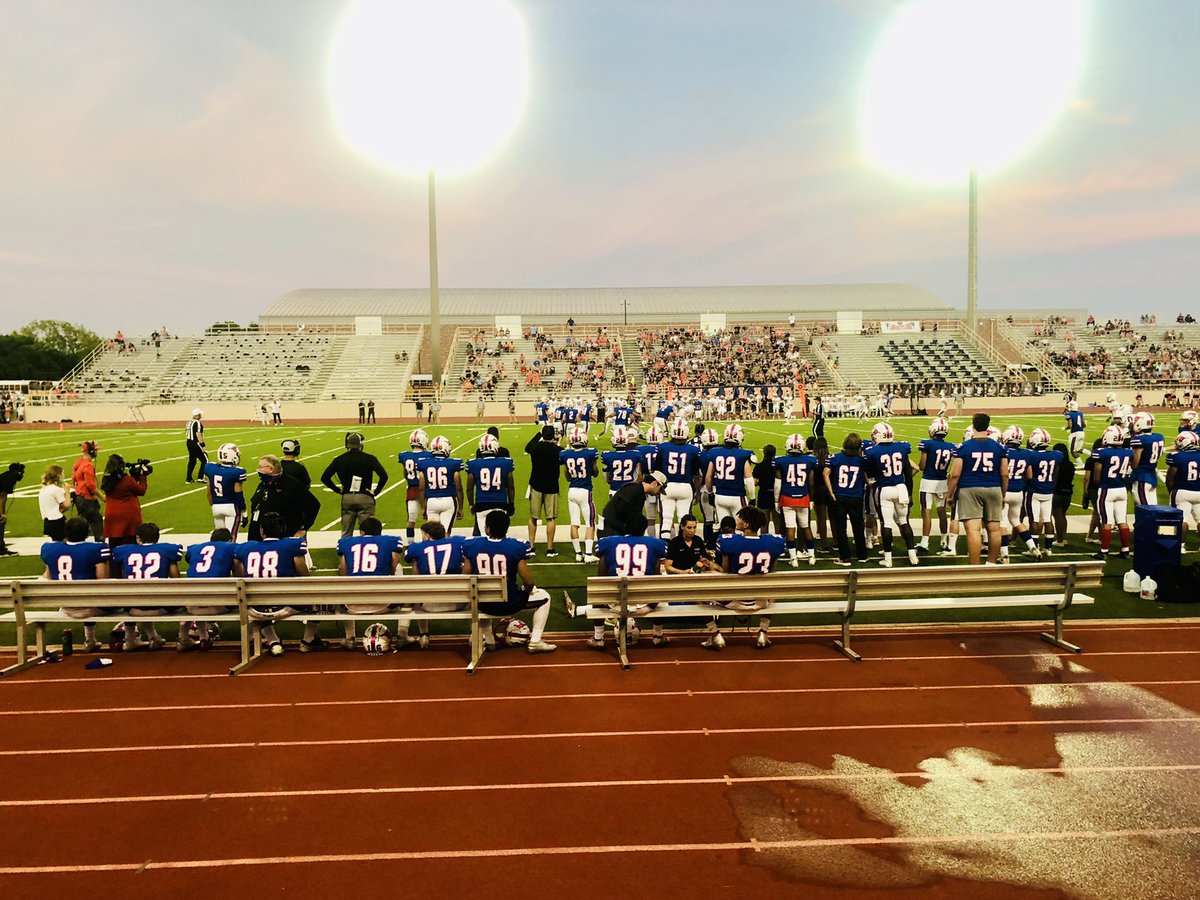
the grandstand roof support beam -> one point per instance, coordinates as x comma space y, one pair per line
972, 251
435, 312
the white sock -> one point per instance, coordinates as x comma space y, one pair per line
541, 616
349, 627
575, 545
598, 632
310, 632
269, 634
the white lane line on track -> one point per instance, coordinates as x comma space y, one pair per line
722, 846
997, 775
1074, 724
597, 695
391, 670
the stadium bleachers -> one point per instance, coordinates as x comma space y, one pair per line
867, 361
379, 364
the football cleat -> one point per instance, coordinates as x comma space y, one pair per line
419, 440
229, 454
1114, 436
440, 446
489, 445
882, 433
1186, 440
1143, 422
578, 438
376, 640
762, 642
1039, 439
734, 434
795, 444
939, 428
679, 429
716, 642
1013, 436
708, 438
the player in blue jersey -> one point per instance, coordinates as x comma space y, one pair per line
680, 462
1147, 446
936, 454
796, 471
729, 476
436, 553
410, 459
663, 415
887, 462
1109, 469
276, 555
845, 482
1188, 421
75, 558
747, 552
585, 416
441, 484
146, 559
706, 439
211, 559
630, 556
1183, 479
370, 552
490, 481
225, 480
622, 415
498, 554
541, 412
649, 454
579, 463
1077, 427
1041, 481
977, 482
1014, 520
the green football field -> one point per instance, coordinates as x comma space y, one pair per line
180, 508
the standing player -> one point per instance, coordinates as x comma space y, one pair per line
1015, 509
211, 559
75, 558
1041, 481
936, 454
585, 416
276, 555
622, 415
541, 412
680, 462
747, 552
649, 454
1077, 428
630, 556
1188, 421
706, 440
579, 463
1147, 446
146, 559
621, 465
1183, 479
490, 480
225, 480
441, 484
729, 476
886, 460
797, 469
497, 554
976, 485
410, 459
1110, 468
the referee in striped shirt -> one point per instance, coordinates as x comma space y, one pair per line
195, 446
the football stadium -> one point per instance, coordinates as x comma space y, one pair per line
712, 557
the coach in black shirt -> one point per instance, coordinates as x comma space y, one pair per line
291, 462
8, 484
355, 469
625, 512
281, 493
543, 485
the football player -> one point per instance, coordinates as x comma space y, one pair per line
490, 480
211, 559
706, 440
887, 462
579, 461
498, 554
146, 559
680, 462
747, 552
1183, 479
796, 470
75, 558
435, 554
1110, 468
728, 477
441, 484
630, 556
276, 555
1147, 446
1015, 501
541, 412
371, 552
225, 480
1076, 428
936, 454
649, 454
1041, 480
410, 459
1188, 421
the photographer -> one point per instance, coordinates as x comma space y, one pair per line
122, 508
8, 484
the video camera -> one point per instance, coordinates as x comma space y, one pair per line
140, 468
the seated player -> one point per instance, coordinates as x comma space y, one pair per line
632, 555
211, 559
146, 559
886, 461
490, 481
1109, 469
797, 470
498, 554
1042, 481
579, 462
435, 554
224, 481
1015, 516
1183, 480
410, 459
936, 454
441, 484
275, 556
747, 552
75, 558
370, 553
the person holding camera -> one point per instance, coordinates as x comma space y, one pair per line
357, 471
8, 484
122, 486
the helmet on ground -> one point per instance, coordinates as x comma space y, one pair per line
679, 429
1114, 436
229, 454
1187, 440
1188, 418
795, 444
515, 632
578, 437
939, 428
1039, 439
734, 434
440, 446
882, 433
1014, 436
376, 640
419, 439
1143, 422
489, 444
1073, 405
654, 435
708, 437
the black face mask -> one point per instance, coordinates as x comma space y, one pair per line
269, 477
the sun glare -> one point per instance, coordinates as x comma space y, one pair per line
961, 83
420, 84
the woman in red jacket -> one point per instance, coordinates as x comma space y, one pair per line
122, 509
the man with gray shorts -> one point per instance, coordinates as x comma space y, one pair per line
543, 485
361, 478
978, 481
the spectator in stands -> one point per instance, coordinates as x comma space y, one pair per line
53, 503
122, 508
8, 484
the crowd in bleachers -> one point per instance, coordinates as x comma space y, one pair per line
585, 364
744, 355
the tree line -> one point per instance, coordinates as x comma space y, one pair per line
44, 350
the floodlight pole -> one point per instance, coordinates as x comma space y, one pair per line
972, 251
435, 312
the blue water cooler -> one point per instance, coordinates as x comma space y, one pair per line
1157, 538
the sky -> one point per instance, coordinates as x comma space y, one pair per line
174, 162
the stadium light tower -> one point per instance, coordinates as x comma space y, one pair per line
425, 86
968, 86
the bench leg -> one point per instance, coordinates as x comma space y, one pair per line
1057, 638
39, 639
20, 666
843, 645
622, 640
249, 659
477, 643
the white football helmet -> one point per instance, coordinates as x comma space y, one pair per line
1039, 439
679, 429
489, 444
1073, 405
882, 433
994, 433
229, 454
1188, 418
419, 440
1186, 440
1114, 436
440, 446
579, 437
1110, 398
654, 435
968, 433
1143, 422
632, 435
795, 444
1013, 436
939, 428
376, 640
708, 438
734, 434
516, 633
620, 436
